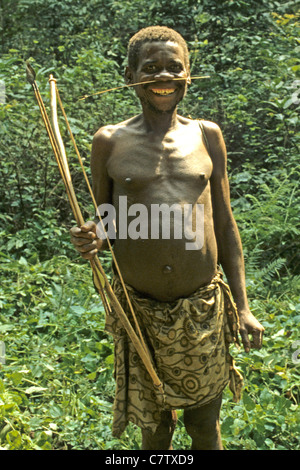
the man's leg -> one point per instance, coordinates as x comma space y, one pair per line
162, 438
203, 426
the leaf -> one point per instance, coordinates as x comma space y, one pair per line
269, 443
248, 402
16, 378
290, 101
14, 438
92, 376
8, 327
55, 411
104, 405
109, 359
35, 389
77, 309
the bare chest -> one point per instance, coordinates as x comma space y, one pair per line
178, 163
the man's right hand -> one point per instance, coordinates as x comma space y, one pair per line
85, 240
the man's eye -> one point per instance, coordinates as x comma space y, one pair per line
150, 69
176, 68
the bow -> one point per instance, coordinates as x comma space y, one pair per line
100, 279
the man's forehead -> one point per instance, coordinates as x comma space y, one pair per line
152, 48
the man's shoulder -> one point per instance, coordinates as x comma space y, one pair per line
106, 138
213, 134
210, 126
110, 132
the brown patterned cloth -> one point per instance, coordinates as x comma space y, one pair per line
189, 342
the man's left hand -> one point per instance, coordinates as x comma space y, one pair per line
250, 326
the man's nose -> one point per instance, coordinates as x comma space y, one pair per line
163, 75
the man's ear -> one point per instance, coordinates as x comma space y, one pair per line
128, 76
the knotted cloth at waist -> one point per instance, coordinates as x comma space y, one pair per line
189, 342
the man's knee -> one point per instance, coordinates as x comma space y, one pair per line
203, 420
162, 438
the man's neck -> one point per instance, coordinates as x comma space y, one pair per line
159, 122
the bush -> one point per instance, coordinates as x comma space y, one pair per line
57, 385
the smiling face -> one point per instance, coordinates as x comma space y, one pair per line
161, 62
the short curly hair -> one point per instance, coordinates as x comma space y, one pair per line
152, 34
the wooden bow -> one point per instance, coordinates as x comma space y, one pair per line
101, 281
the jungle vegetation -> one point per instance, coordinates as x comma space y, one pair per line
56, 376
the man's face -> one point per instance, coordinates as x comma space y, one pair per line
162, 62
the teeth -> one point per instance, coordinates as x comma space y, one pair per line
163, 91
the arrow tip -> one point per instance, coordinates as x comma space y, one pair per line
30, 73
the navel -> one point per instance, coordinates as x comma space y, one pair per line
167, 269
202, 176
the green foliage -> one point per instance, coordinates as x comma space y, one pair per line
268, 220
57, 383
56, 387
268, 416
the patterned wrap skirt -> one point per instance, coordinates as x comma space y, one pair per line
188, 340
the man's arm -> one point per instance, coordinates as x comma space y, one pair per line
84, 238
230, 252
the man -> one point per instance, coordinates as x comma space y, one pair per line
184, 308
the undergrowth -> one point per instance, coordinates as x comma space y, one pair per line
57, 385
56, 373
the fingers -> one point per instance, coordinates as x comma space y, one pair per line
85, 240
89, 254
256, 343
81, 238
245, 340
250, 326
257, 336
89, 226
